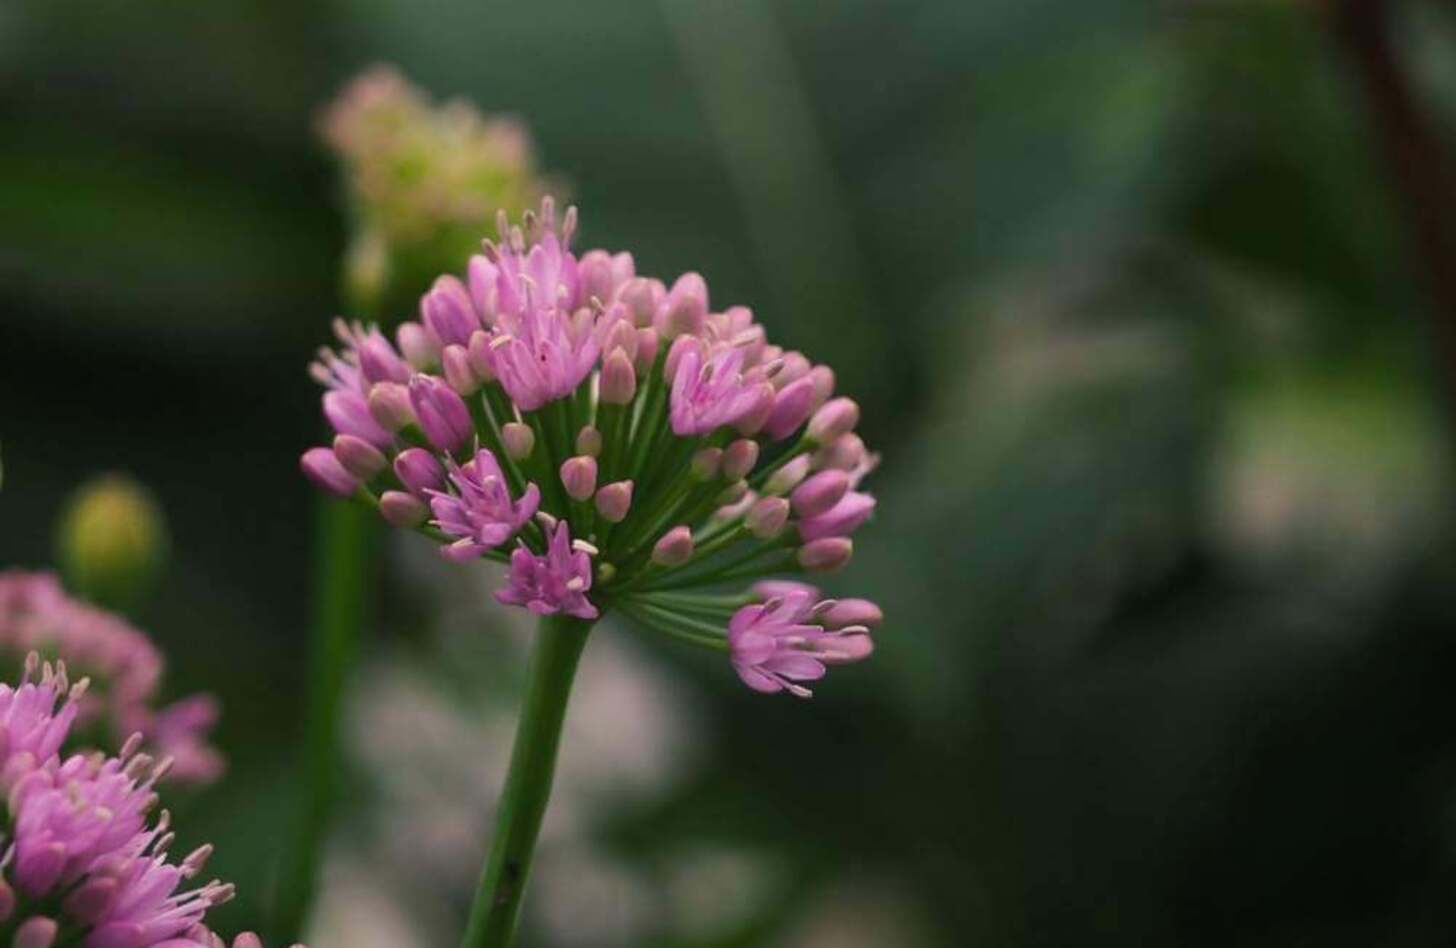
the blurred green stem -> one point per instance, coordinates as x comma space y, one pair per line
343, 556
554, 656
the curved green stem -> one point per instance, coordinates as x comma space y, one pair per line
554, 655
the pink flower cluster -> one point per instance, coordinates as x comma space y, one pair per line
37, 615
624, 436
86, 863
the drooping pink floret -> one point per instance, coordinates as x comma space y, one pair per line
556, 582
480, 511
710, 393
776, 644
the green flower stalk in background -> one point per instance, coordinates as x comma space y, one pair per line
633, 450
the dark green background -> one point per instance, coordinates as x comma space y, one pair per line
1080, 260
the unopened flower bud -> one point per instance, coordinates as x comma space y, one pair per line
579, 476
595, 273
835, 418
479, 353
791, 408
767, 517
733, 493
844, 452
455, 361
448, 312
359, 457
642, 296
619, 379
845, 612
442, 414
826, 555
647, 345
794, 367
519, 440
788, 477
622, 336
706, 463
820, 492
739, 459
753, 420
482, 277
415, 343
614, 501
401, 509
589, 441
389, 404
419, 470
325, 470
823, 378
684, 308
674, 548
35, 932
112, 540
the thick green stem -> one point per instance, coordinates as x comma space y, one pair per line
554, 656
343, 556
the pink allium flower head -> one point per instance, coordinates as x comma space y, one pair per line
555, 582
775, 645
639, 451
480, 510
37, 615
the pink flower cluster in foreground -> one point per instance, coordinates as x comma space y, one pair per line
37, 615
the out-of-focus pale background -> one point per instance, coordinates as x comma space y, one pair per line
1138, 319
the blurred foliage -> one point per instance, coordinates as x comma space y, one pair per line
1164, 536
111, 542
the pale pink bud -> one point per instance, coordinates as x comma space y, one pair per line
826, 555
844, 452
619, 380
594, 272
518, 439
579, 476
647, 345
767, 517
684, 308
325, 470
441, 412
622, 336
751, 421
642, 296
479, 355
455, 361
706, 463
845, 612
823, 378
794, 367
483, 279
247, 940
733, 493
614, 500
832, 420
416, 344
389, 403
401, 509
742, 499
35, 932
674, 548
419, 470
739, 458
820, 492
589, 441
359, 457
788, 477
791, 409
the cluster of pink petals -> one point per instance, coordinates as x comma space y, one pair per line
776, 644
554, 583
37, 615
85, 859
480, 511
